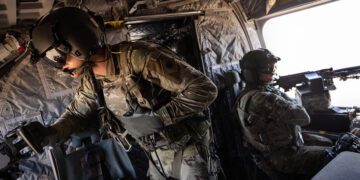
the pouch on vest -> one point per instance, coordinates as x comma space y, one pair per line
198, 125
139, 89
176, 136
173, 137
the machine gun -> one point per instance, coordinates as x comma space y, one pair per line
312, 89
316, 81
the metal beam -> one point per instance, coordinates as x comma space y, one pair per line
11, 11
28, 0
3, 6
160, 17
30, 5
3, 21
29, 15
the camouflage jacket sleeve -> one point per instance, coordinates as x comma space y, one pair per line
80, 114
278, 108
192, 90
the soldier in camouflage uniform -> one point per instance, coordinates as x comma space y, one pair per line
270, 121
149, 91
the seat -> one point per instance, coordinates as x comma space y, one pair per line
252, 159
98, 160
345, 166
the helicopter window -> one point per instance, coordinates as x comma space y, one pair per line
316, 38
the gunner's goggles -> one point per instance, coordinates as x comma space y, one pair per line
270, 68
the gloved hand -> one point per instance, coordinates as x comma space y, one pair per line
347, 142
142, 123
37, 136
356, 132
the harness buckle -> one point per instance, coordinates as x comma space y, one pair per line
122, 141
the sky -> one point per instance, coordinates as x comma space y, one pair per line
316, 38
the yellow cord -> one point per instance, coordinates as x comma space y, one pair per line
114, 24
116, 52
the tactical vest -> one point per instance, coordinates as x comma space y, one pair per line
264, 134
131, 100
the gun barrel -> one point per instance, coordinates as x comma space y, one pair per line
352, 68
344, 72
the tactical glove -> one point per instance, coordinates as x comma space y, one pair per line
142, 124
356, 132
37, 136
347, 142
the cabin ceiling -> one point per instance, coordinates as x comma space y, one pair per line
25, 12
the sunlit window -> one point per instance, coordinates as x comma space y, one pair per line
320, 37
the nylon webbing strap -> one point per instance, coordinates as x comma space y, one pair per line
176, 165
243, 116
98, 92
157, 157
117, 69
120, 136
148, 155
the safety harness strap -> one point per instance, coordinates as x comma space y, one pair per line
176, 165
108, 120
245, 118
255, 146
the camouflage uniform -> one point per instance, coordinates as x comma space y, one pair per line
146, 78
270, 122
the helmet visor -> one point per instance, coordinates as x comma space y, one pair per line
55, 58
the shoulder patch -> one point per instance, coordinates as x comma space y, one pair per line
138, 58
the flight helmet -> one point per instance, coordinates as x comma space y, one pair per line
64, 31
256, 62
